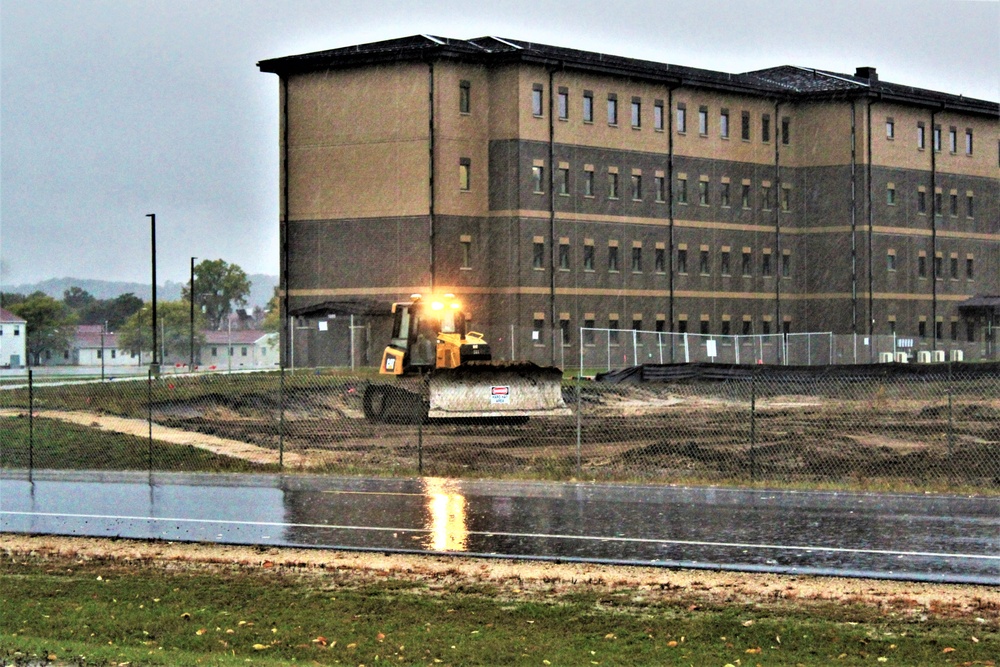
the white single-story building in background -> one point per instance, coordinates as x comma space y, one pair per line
234, 350
13, 337
88, 346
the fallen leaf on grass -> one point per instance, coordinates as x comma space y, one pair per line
747, 624
754, 651
259, 647
320, 640
672, 643
948, 649
200, 631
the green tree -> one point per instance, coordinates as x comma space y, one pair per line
77, 299
50, 324
173, 330
272, 319
10, 299
113, 312
217, 286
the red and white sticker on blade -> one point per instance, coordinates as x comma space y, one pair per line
499, 394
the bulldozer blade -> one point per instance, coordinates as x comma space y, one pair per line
517, 390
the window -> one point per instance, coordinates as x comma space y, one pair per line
786, 199
612, 185
660, 325
703, 121
953, 204
747, 263
938, 266
745, 126
612, 109
536, 99
745, 195
938, 330
786, 265
658, 115
703, 263
637, 187
968, 206
636, 259
114, 353
921, 136
726, 327
922, 266
538, 255
747, 327
970, 332
953, 140
564, 256
682, 326
953, 266
954, 329
243, 351
613, 258
921, 201
765, 128
588, 331
786, 327
681, 118
660, 188
660, 260
703, 193
588, 183
890, 195
538, 179
682, 260
765, 265
968, 141
464, 166
537, 329
588, 258
466, 246
938, 206
463, 96
100, 354
765, 327
890, 128
613, 330
636, 112
724, 263
969, 268
215, 351
890, 261
937, 138
724, 194
765, 197
588, 106
682, 190
922, 328
724, 124
563, 103
786, 130
704, 327
563, 181
565, 330
637, 326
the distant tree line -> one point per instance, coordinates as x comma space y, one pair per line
51, 323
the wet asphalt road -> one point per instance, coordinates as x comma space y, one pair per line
917, 537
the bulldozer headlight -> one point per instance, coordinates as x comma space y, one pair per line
437, 305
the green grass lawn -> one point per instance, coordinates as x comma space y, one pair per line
62, 446
106, 611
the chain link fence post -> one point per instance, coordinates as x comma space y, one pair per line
31, 422
753, 423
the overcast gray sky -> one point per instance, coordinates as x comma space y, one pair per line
112, 109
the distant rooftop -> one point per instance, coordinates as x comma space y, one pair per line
787, 81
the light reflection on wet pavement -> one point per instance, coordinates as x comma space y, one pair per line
921, 537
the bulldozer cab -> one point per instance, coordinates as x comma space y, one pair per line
417, 328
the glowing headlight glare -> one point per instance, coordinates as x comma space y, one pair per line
454, 305
437, 305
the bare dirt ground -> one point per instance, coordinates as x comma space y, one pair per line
533, 580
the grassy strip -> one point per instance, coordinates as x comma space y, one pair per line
106, 611
62, 446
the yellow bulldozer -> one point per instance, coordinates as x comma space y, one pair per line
444, 371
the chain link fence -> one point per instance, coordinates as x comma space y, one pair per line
884, 426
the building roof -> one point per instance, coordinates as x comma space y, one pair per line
10, 318
242, 337
785, 82
89, 336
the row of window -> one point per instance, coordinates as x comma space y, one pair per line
682, 196
953, 265
892, 198
746, 328
638, 120
890, 134
17, 330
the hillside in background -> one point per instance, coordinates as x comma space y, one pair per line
261, 288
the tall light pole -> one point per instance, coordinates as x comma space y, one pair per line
153, 366
191, 295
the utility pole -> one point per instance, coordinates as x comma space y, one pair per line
191, 295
